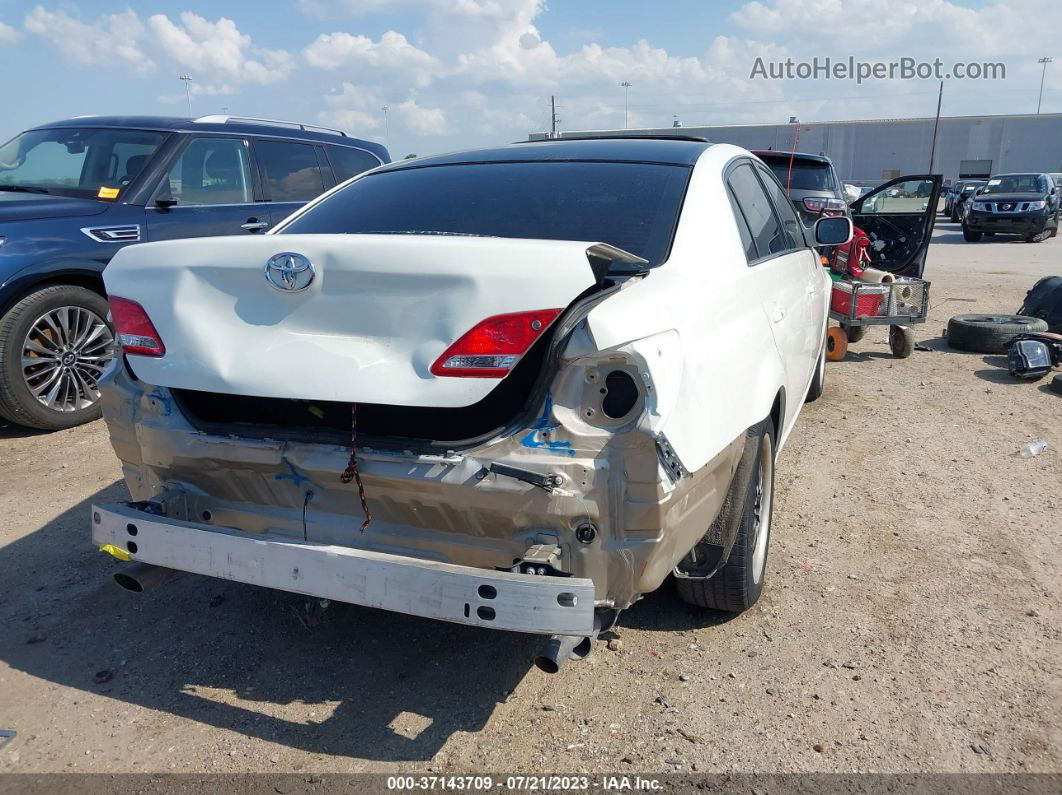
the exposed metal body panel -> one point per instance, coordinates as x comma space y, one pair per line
872, 151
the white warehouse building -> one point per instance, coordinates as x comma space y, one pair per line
871, 151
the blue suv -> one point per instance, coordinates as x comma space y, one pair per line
74, 192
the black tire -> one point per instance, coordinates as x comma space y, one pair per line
989, 333
855, 333
969, 235
78, 401
954, 215
738, 584
818, 381
1056, 385
901, 341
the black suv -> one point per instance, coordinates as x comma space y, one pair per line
1017, 204
811, 181
74, 192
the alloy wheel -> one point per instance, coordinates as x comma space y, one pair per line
63, 356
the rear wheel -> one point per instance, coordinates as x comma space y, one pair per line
54, 344
738, 584
818, 381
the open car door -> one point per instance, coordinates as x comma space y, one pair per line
898, 216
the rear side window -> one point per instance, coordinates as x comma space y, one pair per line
290, 170
743, 227
791, 225
347, 162
756, 208
633, 206
210, 171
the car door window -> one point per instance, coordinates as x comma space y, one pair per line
791, 225
757, 210
903, 198
209, 171
290, 170
348, 162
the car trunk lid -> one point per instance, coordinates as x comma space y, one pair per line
377, 313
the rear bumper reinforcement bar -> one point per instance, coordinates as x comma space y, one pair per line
461, 594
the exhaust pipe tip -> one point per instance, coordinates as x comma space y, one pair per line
561, 648
140, 577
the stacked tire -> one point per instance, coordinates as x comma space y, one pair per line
989, 333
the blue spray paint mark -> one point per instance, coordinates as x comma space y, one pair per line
294, 476
164, 400
543, 423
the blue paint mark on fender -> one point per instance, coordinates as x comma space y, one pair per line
293, 475
543, 423
164, 400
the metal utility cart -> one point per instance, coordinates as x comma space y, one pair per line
856, 305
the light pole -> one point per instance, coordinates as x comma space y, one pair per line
626, 92
384, 109
187, 79
1045, 61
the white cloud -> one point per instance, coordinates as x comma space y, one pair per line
219, 57
359, 108
8, 35
113, 37
218, 49
392, 54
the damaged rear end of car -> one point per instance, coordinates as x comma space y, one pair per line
443, 425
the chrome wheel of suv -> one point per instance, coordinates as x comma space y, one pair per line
63, 355
54, 345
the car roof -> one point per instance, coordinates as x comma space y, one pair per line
764, 154
1019, 174
223, 124
671, 151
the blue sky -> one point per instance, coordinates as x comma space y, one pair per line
457, 73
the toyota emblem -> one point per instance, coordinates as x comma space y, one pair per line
289, 272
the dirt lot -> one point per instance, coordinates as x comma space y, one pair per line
911, 620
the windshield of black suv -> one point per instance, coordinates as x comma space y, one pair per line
633, 206
86, 163
1013, 183
807, 175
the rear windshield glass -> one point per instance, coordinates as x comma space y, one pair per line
806, 176
633, 206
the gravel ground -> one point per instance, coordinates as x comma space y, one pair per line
910, 623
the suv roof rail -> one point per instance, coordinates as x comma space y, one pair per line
223, 119
694, 138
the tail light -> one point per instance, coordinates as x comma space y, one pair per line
824, 205
492, 347
136, 332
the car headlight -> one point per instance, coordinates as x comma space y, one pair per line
1037, 205
980, 205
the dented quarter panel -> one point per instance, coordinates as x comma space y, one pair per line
697, 328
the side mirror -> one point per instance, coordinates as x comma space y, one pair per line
833, 230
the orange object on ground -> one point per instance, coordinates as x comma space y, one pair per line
836, 344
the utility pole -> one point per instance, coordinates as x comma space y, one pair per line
1045, 61
626, 84
187, 91
384, 109
936, 123
552, 116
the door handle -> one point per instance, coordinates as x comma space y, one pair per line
253, 225
777, 313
